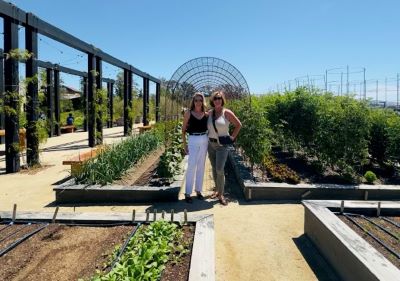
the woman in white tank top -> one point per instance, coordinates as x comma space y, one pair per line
218, 122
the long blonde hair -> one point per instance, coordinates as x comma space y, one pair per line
203, 105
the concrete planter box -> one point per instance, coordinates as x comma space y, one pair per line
283, 191
71, 193
202, 265
350, 255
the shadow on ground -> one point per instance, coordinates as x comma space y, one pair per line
322, 270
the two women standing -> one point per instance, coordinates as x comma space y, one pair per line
208, 130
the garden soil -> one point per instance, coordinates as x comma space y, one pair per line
253, 240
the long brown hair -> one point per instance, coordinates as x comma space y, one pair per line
203, 105
217, 93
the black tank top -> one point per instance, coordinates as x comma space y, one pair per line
197, 125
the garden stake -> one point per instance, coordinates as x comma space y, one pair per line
133, 215
342, 207
378, 212
163, 214
14, 212
155, 215
366, 195
55, 215
185, 216
172, 215
147, 215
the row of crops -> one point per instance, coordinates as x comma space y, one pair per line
334, 132
147, 253
115, 160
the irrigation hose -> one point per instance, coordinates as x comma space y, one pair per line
16, 243
10, 224
373, 237
381, 228
392, 222
15, 232
124, 246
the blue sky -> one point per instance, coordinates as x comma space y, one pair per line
268, 41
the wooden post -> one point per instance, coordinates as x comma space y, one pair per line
50, 100
155, 215
14, 215
2, 124
172, 215
55, 215
57, 104
32, 114
378, 211
185, 219
133, 215
99, 101
341, 207
158, 97
163, 214
147, 215
85, 104
91, 99
11, 99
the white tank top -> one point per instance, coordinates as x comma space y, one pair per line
221, 123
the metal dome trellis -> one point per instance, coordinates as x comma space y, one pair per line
205, 74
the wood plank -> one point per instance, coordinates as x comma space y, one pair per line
202, 264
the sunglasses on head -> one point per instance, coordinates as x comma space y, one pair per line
218, 98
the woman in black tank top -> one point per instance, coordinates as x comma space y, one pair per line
195, 124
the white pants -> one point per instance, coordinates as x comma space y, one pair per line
197, 146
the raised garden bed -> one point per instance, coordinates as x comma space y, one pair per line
350, 254
254, 190
67, 250
70, 192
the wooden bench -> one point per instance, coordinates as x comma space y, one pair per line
77, 161
142, 129
22, 137
67, 129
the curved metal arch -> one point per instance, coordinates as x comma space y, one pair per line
204, 74
223, 68
215, 61
226, 79
200, 73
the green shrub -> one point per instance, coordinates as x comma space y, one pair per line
255, 136
370, 176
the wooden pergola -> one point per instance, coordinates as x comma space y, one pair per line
14, 17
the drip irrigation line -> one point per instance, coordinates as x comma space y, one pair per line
124, 246
15, 232
10, 224
79, 224
397, 255
98, 225
19, 241
391, 221
381, 228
